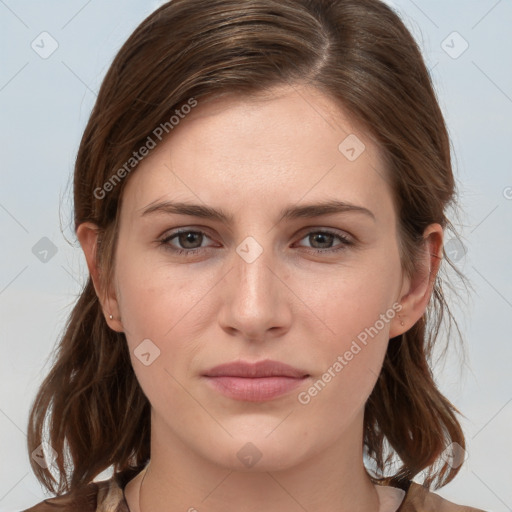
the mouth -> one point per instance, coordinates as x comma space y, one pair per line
255, 382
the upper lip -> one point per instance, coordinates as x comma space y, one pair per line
266, 368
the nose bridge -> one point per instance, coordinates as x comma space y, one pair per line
255, 287
254, 300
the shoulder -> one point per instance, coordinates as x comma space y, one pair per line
107, 496
103, 496
420, 499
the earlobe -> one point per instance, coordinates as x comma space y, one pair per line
87, 234
417, 290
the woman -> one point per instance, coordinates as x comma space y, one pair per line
260, 195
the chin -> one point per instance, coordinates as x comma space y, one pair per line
259, 453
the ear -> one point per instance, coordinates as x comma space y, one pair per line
87, 234
417, 289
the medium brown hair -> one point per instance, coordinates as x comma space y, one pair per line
360, 54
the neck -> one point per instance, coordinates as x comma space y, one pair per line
332, 480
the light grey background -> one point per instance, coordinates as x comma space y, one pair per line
45, 103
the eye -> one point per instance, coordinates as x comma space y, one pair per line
189, 241
321, 241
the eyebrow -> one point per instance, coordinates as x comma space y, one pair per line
291, 212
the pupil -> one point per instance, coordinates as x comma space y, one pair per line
186, 238
323, 236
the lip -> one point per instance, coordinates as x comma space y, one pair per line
258, 369
255, 382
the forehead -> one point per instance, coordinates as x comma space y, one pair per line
277, 147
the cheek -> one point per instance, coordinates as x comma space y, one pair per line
153, 296
351, 358
154, 318
353, 298
357, 310
167, 306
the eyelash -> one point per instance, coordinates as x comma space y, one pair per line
345, 242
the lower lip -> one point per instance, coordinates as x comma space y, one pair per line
255, 389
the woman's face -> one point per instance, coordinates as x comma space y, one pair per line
269, 276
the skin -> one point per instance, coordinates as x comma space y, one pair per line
252, 157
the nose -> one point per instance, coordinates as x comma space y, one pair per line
255, 298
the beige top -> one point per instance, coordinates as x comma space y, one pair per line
390, 498
108, 496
